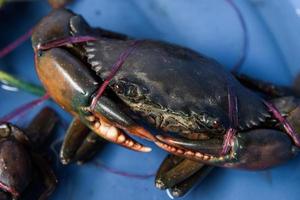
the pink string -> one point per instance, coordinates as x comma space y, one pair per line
65, 41
232, 107
9, 189
115, 68
237, 66
122, 173
23, 109
9, 48
288, 128
233, 118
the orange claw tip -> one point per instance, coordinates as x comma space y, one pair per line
145, 149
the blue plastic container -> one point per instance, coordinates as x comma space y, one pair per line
211, 27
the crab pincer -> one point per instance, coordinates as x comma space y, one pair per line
70, 83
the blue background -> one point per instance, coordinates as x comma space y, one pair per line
210, 27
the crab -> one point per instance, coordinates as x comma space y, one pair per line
22, 165
199, 112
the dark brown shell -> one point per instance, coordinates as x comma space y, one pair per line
175, 88
166, 78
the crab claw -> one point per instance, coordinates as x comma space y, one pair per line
255, 149
69, 82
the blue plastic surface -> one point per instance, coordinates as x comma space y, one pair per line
210, 27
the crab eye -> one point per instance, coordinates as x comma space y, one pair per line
132, 91
4, 130
118, 88
216, 124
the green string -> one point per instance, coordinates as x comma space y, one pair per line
20, 84
2, 3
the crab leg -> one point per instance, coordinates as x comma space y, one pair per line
179, 175
89, 147
185, 186
75, 134
41, 127
48, 176
80, 144
167, 164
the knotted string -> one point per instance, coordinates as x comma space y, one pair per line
286, 125
233, 119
